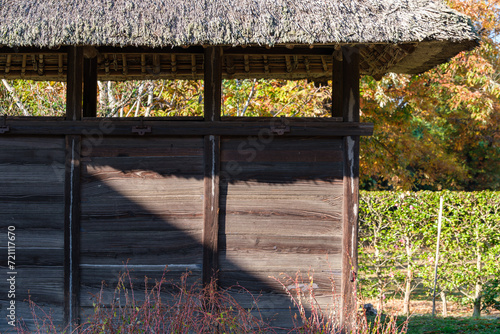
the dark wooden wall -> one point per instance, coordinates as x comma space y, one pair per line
32, 200
281, 213
142, 204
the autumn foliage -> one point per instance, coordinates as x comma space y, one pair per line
439, 129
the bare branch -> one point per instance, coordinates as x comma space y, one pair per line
16, 99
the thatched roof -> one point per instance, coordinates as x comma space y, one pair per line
429, 24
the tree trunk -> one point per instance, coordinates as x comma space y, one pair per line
443, 300
477, 301
477, 308
378, 274
409, 275
16, 99
150, 100
406, 302
479, 287
103, 94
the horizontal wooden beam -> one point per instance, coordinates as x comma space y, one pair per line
238, 50
258, 127
279, 51
28, 50
138, 50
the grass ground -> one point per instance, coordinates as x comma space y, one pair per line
428, 325
459, 321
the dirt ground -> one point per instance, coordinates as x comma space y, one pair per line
421, 307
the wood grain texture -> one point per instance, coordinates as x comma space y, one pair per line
141, 247
72, 214
32, 201
74, 90
142, 205
281, 213
42, 284
99, 283
212, 83
299, 127
351, 188
211, 209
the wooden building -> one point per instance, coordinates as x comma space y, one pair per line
240, 198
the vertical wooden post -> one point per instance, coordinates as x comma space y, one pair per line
74, 91
71, 231
212, 82
74, 98
211, 209
212, 109
350, 113
90, 87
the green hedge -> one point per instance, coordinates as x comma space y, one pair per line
398, 235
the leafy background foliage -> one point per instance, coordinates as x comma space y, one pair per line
398, 236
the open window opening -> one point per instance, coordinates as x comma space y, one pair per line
32, 98
276, 98
150, 98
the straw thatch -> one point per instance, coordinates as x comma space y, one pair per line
168, 23
156, 23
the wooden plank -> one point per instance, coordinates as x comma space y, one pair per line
43, 191
268, 261
285, 243
72, 212
141, 247
101, 146
39, 255
38, 238
211, 209
74, 91
188, 128
36, 173
351, 188
99, 282
90, 87
113, 200
252, 153
110, 183
212, 83
263, 144
43, 285
271, 207
141, 50
34, 215
271, 281
323, 189
168, 172
33, 50
284, 173
293, 224
280, 51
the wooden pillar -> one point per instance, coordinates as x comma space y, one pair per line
350, 113
74, 91
74, 98
90, 87
212, 113
212, 81
71, 231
